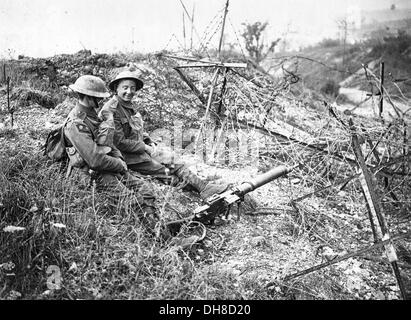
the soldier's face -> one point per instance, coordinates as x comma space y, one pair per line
126, 89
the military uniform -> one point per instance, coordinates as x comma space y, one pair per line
81, 128
130, 139
111, 175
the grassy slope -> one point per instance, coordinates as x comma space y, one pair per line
328, 64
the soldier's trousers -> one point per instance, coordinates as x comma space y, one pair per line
125, 194
124, 187
152, 167
188, 180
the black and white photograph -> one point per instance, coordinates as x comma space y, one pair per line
211, 156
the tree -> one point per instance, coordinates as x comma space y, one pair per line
346, 25
254, 43
343, 25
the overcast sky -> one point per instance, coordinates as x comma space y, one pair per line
42, 28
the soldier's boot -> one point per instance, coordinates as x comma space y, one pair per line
204, 188
207, 189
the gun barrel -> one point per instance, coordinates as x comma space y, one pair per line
264, 178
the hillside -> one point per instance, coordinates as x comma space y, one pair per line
330, 61
53, 228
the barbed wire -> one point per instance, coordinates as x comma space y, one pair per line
285, 58
238, 40
215, 30
168, 43
192, 25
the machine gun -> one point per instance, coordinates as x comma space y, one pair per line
220, 203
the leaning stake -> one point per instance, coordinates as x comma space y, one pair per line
342, 258
377, 209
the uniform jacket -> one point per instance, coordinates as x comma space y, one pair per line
81, 132
129, 135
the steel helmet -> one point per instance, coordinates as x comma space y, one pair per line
126, 75
91, 86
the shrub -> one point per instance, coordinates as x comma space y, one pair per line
328, 43
330, 87
392, 44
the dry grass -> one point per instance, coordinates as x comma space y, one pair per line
101, 254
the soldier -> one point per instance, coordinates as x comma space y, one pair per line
136, 146
84, 131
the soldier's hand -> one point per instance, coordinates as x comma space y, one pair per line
124, 165
155, 150
106, 115
149, 149
146, 138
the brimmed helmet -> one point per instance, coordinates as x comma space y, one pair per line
91, 86
126, 75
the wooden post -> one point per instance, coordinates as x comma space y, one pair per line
370, 207
184, 32
381, 87
191, 85
217, 139
210, 99
373, 200
9, 109
227, 150
222, 29
218, 124
192, 26
377, 209
191, 19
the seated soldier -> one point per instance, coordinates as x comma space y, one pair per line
136, 147
83, 129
